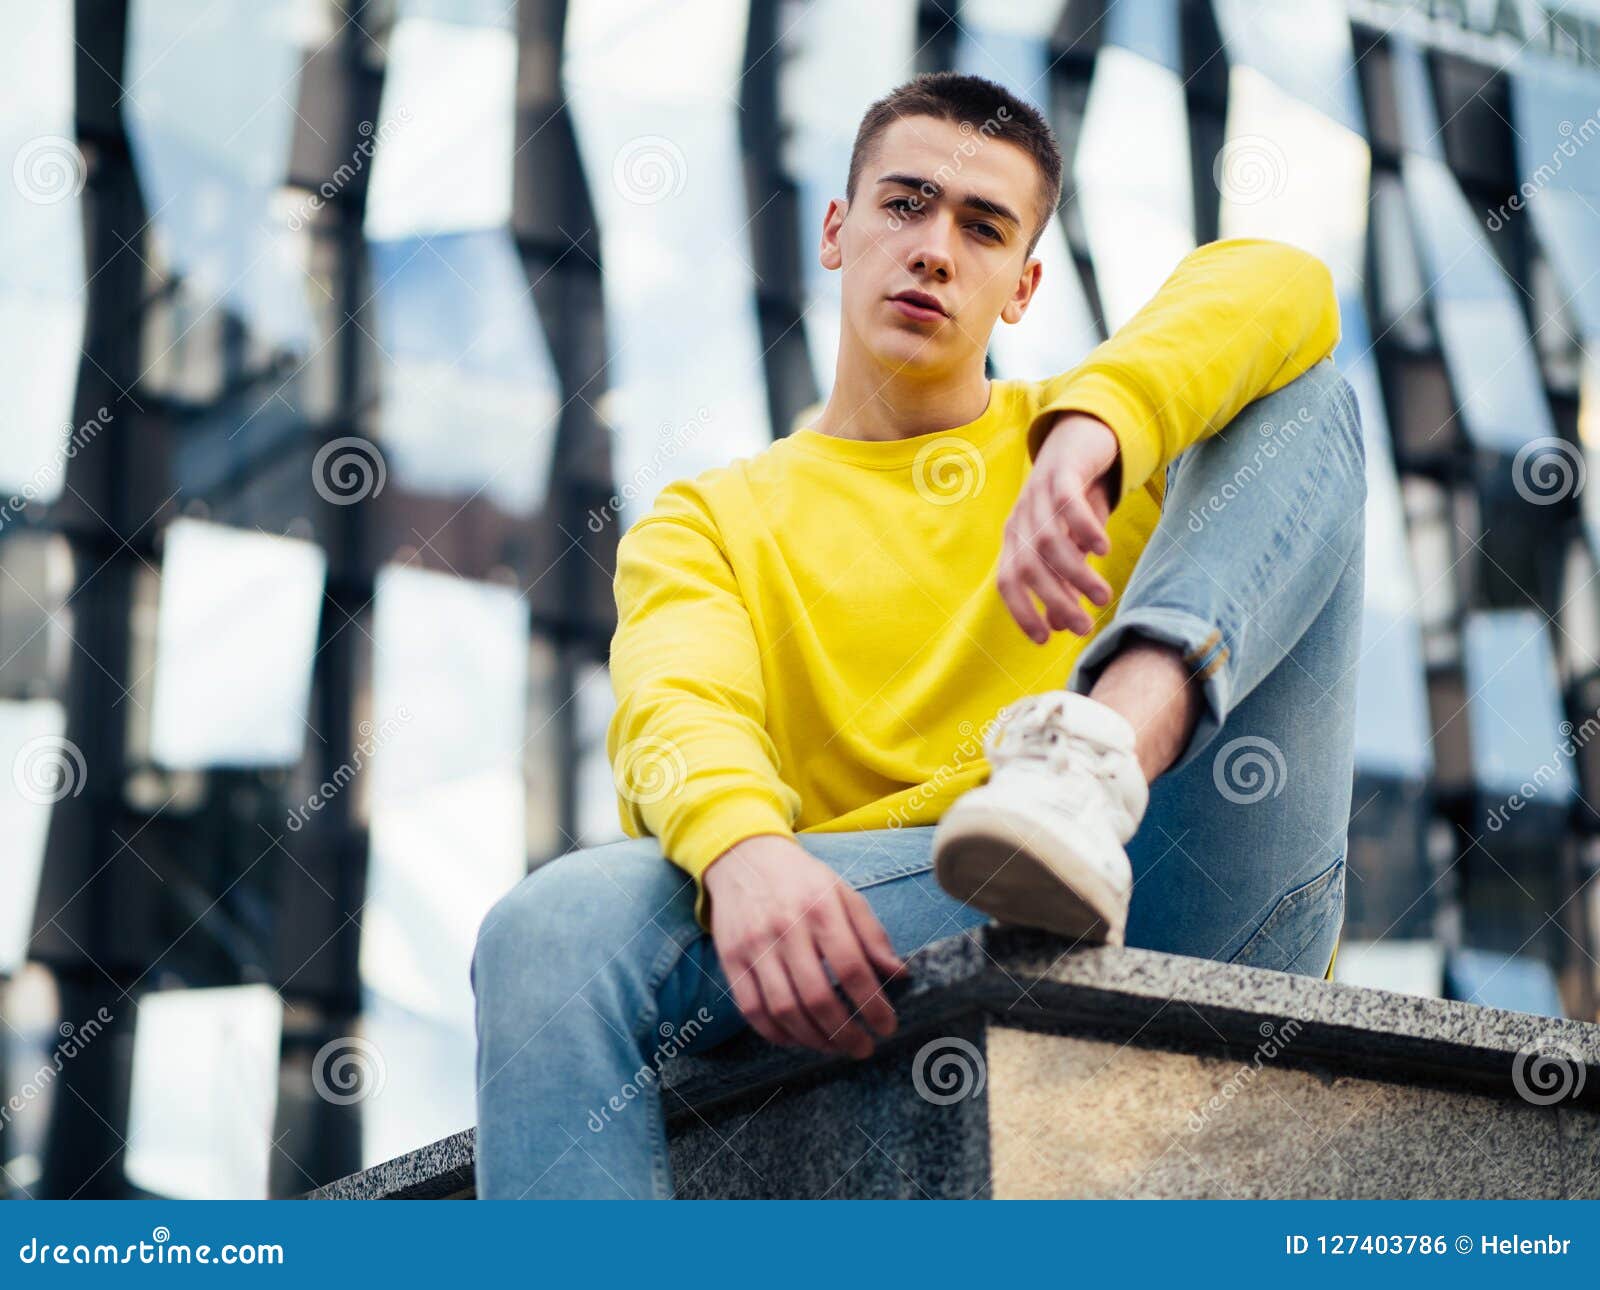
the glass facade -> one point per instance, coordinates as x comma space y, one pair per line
339, 344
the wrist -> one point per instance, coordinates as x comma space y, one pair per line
1085, 436
720, 870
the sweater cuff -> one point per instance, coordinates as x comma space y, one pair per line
1122, 408
726, 820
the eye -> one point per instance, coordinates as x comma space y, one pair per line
900, 205
988, 231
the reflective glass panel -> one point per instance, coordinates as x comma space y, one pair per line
1514, 712
41, 264
450, 668
235, 639
654, 102
209, 104
205, 1092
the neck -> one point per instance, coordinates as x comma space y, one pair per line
870, 401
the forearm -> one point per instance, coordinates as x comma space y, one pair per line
1236, 321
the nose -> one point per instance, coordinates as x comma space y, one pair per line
930, 252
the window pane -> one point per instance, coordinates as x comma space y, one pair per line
209, 104
41, 266
450, 661
235, 638
205, 1092
654, 102
1514, 712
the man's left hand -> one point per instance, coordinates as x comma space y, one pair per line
1058, 522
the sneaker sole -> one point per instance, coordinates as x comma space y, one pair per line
989, 861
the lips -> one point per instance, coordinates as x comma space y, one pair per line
918, 305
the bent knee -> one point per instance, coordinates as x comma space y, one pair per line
577, 911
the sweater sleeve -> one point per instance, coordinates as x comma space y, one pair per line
691, 758
1237, 320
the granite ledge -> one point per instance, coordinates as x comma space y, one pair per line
1032, 980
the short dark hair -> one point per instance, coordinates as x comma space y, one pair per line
979, 104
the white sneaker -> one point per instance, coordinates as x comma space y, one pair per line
1041, 844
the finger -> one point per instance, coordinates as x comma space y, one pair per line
880, 949
821, 1002
783, 1004
1076, 513
851, 965
1066, 560
1073, 509
753, 1007
1061, 607
1014, 592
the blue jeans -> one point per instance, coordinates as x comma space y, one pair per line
592, 970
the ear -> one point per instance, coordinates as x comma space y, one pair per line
1022, 296
829, 253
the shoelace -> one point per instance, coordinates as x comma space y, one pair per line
1034, 729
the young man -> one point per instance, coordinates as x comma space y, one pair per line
825, 650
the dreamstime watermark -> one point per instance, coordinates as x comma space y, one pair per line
675, 440
1547, 171
48, 769
1548, 1071
649, 168
74, 1039
1249, 769
331, 187
940, 180
347, 1070
78, 438
1572, 739
948, 470
1547, 470
947, 1070
348, 470
49, 169
1272, 436
674, 1039
160, 1249
648, 770
1249, 169
371, 741
1275, 1038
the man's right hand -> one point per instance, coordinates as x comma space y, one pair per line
780, 918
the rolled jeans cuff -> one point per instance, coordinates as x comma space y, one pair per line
1204, 652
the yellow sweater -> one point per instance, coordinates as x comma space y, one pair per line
811, 638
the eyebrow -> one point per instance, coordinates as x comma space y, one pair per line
971, 201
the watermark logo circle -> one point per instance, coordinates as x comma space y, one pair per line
948, 470
1548, 470
649, 770
948, 1070
48, 769
1249, 769
648, 169
1250, 168
347, 1070
49, 169
348, 470
1548, 1071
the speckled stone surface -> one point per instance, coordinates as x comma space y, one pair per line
441, 1170
910, 1124
1083, 1118
802, 1121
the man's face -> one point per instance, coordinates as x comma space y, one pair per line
934, 246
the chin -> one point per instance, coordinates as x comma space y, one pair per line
909, 351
